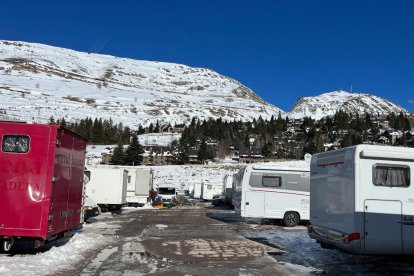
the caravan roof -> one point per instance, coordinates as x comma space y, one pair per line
294, 166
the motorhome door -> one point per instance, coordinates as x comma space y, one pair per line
383, 228
254, 204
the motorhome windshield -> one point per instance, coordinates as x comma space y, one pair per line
166, 191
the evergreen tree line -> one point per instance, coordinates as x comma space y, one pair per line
98, 131
312, 135
353, 129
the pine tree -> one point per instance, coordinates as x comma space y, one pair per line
118, 155
52, 121
204, 153
133, 154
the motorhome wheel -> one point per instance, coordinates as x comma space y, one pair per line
291, 219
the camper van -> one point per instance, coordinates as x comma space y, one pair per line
167, 193
362, 200
274, 191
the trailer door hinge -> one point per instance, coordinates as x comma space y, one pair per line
58, 143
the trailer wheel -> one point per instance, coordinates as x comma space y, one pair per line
8, 244
291, 219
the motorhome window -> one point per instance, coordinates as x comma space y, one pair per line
129, 179
15, 143
271, 181
166, 191
391, 175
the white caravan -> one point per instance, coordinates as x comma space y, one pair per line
140, 182
274, 191
197, 190
236, 189
211, 190
227, 187
362, 200
107, 186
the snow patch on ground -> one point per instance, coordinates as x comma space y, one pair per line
62, 257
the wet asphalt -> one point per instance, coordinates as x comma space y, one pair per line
192, 238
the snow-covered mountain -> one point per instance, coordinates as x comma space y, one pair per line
39, 81
327, 104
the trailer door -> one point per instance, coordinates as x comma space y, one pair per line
254, 204
383, 226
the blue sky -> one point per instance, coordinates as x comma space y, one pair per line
283, 50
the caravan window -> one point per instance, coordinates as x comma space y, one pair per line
391, 175
271, 181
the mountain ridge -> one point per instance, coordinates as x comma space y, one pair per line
39, 81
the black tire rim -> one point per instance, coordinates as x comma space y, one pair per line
291, 219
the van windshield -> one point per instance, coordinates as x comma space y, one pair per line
166, 191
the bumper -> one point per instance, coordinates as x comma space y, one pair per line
333, 239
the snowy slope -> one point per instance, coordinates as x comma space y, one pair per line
39, 81
327, 104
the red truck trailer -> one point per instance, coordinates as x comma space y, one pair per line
41, 182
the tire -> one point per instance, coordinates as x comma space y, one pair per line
291, 219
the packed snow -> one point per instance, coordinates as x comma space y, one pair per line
56, 258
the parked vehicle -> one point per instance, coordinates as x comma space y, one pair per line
107, 186
140, 182
236, 189
167, 193
90, 209
197, 190
41, 182
274, 192
362, 200
211, 190
227, 188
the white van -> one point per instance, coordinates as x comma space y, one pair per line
274, 191
362, 200
167, 193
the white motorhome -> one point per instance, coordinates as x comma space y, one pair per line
227, 187
140, 182
236, 187
107, 186
274, 191
362, 200
211, 190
